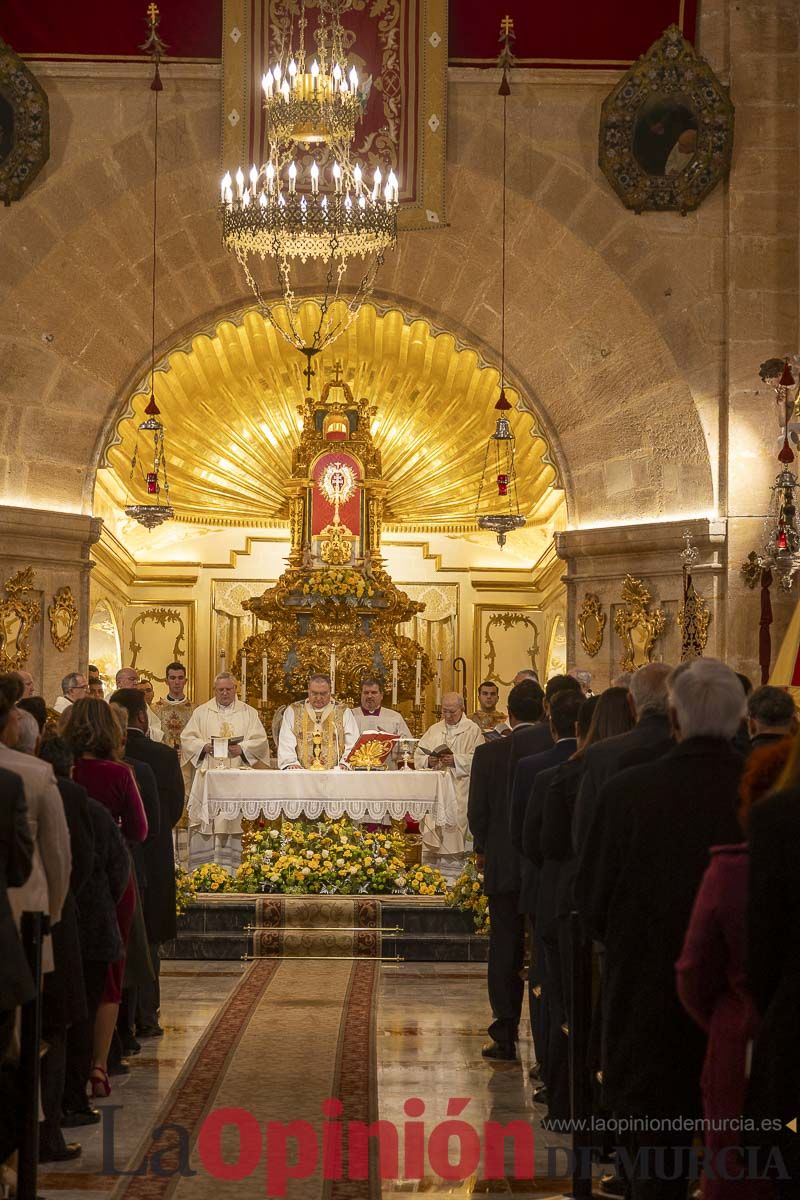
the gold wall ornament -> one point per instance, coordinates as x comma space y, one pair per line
63, 614
591, 623
523, 643
19, 612
162, 617
694, 619
752, 569
636, 625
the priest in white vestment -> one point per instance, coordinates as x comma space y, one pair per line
220, 840
456, 738
316, 730
371, 715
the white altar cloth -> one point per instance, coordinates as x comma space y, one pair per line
360, 795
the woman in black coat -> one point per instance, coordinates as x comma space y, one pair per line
774, 964
100, 939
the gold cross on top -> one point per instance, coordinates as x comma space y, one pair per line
507, 27
152, 13
337, 371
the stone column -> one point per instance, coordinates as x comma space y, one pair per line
56, 545
599, 559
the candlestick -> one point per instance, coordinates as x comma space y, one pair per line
418, 685
263, 679
244, 676
438, 696
332, 672
394, 682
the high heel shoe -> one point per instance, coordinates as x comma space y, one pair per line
98, 1080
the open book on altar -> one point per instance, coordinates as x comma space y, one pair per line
372, 750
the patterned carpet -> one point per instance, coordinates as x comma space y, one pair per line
317, 927
291, 1036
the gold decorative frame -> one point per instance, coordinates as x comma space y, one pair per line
63, 614
24, 125
18, 614
503, 617
694, 618
164, 615
636, 625
669, 85
591, 610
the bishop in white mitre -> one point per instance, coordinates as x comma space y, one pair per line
456, 738
220, 840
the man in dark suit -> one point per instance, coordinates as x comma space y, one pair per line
487, 813
660, 821
648, 699
159, 899
770, 716
564, 711
567, 700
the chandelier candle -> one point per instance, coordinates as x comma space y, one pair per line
394, 682
293, 211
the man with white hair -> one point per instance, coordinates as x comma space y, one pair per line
27, 683
316, 733
27, 733
448, 745
128, 677
654, 827
73, 687
222, 717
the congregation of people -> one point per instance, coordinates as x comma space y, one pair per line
664, 812
92, 789
655, 830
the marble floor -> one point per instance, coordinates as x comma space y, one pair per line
431, 1025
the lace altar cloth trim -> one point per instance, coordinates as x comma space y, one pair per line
361, 795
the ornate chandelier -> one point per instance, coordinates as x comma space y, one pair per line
500, 448
152, 513
309, 199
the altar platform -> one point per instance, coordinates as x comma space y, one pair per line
413, 929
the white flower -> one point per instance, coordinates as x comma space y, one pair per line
306, 871
400, 880
326, 853
273, 833
268, 853
343, 840
309, 853
354, 870
340, 862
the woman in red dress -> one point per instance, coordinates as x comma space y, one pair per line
94, 736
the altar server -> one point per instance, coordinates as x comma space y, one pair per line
316, 729
224, 717
448, 745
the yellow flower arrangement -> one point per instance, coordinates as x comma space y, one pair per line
210, 877
468, 895
335, 583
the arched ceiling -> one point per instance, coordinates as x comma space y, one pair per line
229, 404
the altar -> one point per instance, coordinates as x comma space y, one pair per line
428, 797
